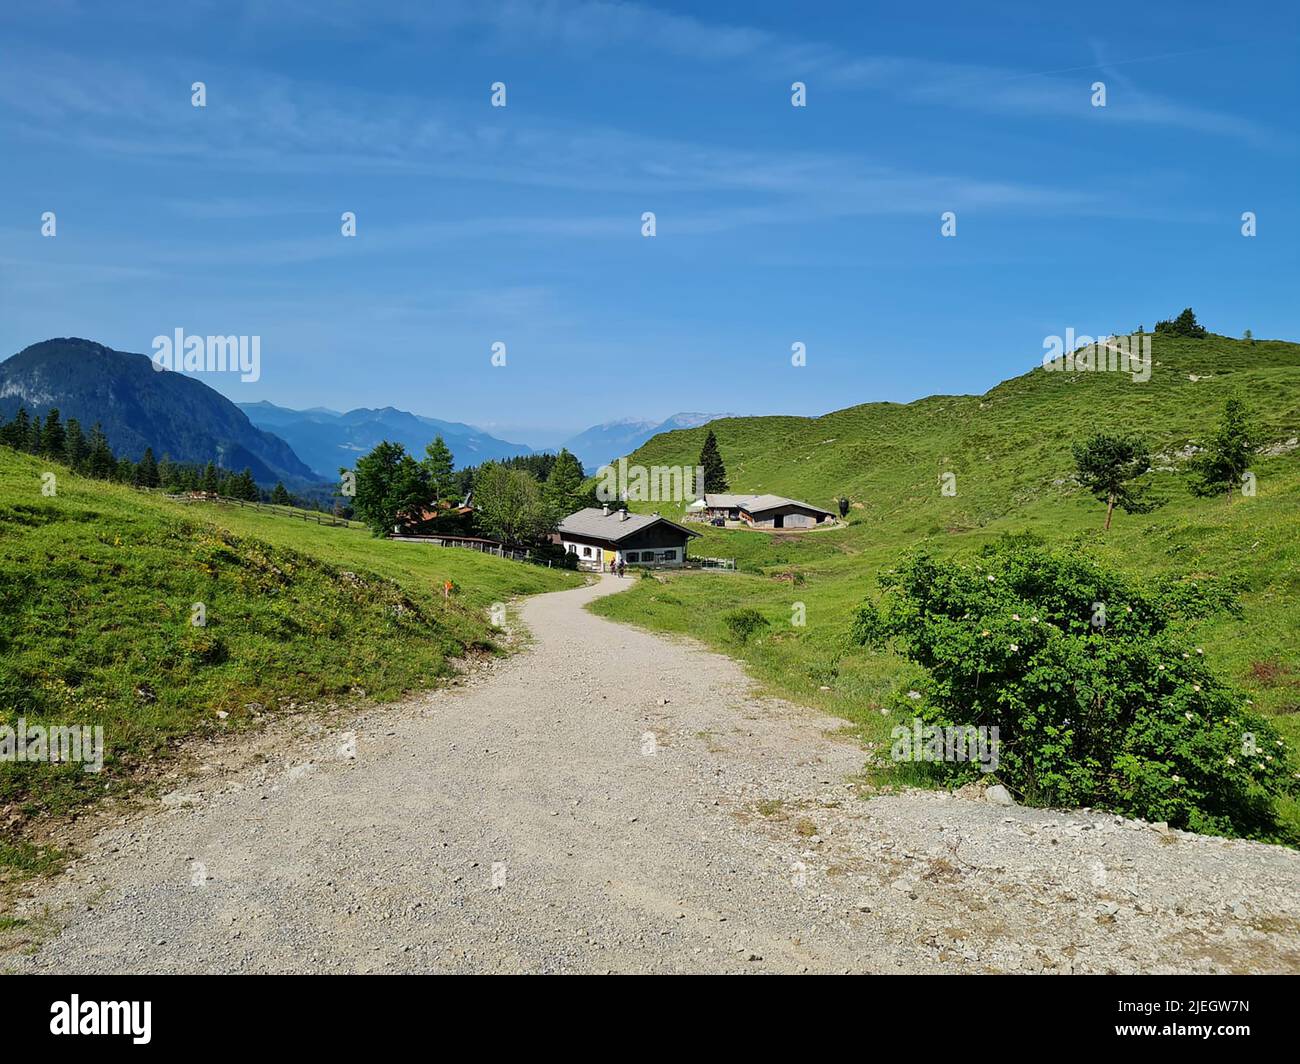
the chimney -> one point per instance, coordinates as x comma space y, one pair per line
622, 515
604, 509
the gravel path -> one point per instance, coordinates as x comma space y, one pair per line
610, 800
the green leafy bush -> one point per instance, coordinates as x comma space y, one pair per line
744, 622
1100, 697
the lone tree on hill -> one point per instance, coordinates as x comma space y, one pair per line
1183, 325
715, 473
1109, 466
1224, 463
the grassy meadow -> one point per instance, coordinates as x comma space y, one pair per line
1010, 452
97, 590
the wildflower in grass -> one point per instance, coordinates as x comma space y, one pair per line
1015, 647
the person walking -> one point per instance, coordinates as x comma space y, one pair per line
621, 567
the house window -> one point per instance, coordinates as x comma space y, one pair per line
573, 548
668, 556
586, 552
633, 556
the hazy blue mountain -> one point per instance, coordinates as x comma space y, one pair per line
138, 407
603, 443
328, 441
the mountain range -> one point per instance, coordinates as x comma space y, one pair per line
177, 416
327, 440
184, 419
603, 443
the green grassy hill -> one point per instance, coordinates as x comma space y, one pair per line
97, 585
1010, 452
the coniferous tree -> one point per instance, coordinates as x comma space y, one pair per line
1109, 466
100, 462
439, 464
280, 496
146, 473
35, 434
211, 480
1223, 465
53, 438
563, 488
1183, 325
715, 473
245, 486
74, 446
15, 433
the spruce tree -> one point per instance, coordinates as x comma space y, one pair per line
100, 462
74, 447
211, 480
562, 489
280, 496
14, 434
246, 486
1222, 466
715, 473
53, 438
146, 473
440, 466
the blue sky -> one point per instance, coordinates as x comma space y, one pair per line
522, 224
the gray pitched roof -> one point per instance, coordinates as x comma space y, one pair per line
595, 523
722, 502
771, 502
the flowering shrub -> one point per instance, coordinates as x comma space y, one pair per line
1100, 697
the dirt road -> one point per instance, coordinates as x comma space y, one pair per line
610, 800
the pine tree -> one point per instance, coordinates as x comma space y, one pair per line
53, 438
245, 486
14, 434
1109, 467
280, 496
1224, 463
166, 474
1183, 325
34, 436
125, 472
715, 473
100, 462
146, 473
211, 481
74, 447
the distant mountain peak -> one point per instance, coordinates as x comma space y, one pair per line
176, 415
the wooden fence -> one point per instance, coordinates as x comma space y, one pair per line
480, 545
316, 516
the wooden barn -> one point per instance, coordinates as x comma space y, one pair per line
775, 511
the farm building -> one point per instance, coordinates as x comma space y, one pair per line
761, 511
774, 511
604, 537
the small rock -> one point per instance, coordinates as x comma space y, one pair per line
999, 795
